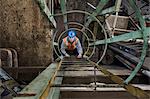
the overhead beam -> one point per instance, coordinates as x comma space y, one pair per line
45, 9
123, 37
63, 9
138, 13
98, 10
108, 10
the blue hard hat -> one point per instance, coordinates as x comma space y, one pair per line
72, 33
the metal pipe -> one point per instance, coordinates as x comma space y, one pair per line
9, 59
15, 57
133, 22
114, 24
91, 5
117, 8
95, 80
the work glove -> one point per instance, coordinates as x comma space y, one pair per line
84, 56
79, 56
61, 57
67, 55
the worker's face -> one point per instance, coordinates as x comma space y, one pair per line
71, 39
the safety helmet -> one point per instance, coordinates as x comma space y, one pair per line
72, 33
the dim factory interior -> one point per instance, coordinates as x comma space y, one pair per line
75, 49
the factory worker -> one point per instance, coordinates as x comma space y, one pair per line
71, 45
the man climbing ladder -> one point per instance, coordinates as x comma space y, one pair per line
71, 45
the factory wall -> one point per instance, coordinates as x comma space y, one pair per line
24, 28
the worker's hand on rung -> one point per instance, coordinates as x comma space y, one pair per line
84, 56
79, 56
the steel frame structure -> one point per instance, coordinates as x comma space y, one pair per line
37, 87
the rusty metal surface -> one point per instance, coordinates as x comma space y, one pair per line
135, 91
79, 76
131, 89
